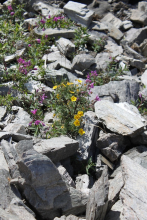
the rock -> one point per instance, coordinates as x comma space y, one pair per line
113, 49
115, 186
110, 18
15, 136
55, 32
138, 64
144, 78
102, 60
139, 16
111, 145
117, 91
127, 25
7, 192
87, 142
78, 12
135, 35
49, 117
18, 208
99, 26
70, 217
3, 111
9, 58
98, 198
30, 23
21, 116
44, 187
130, 53
66, 47
134, 198
82, 62
57, 148
61, 59
143, 48
115, 32
4, 215
100, 8
140, 139
11, 158
115, 212
46, 9
142, 6
82, 183
117, 119
65, 176
16, 128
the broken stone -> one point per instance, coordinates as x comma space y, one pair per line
113, 49
57, 148
82, 62
82, 183
16, 128
127, 25
115, 212
117, 119
144, 78
110, 18
78, 12
66, 47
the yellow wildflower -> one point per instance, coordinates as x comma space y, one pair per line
68, 83
53, 115
76, 116
81, 131
80, 113
54, 87
77, 122
80, 81
73, 99
62, 126
77, 90
63, 84
57, 96
71, 91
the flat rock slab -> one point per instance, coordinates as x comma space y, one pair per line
55, 32
15, 136
82, 62
113, 49
144, 78
110, 18
57, 148
117, 119
78, 12
134, 192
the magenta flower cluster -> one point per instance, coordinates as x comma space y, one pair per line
57, 18
23, 68
10, 9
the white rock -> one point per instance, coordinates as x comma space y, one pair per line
113, 49
110, 18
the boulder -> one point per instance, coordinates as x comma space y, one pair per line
134, 193
119, 119
78, 12
140, 139
144, 78
114, 32
82, 62
115, 212
3, 111
117, 91
98, 198
139, 16
111, 145
113, 49
15, 136
102, 60
126, 25
66, 47
16, 128
110, 18
57, 148
82, 183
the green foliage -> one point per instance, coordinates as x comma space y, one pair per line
141, 104
81, 37
98, 45
7, 101
90, 167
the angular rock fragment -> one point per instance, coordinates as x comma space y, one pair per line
82, 62
16, 128
66, 47
110, 18
117, 119
57, 148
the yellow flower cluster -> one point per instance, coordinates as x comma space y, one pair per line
77, 122
73, 99
81, 131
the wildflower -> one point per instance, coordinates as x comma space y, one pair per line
43, 124
35, 68
68, 83
12, 13
49, 16
88, 76
62, 126
9, 8
42, 21
77, 122
63, 84
76, 117
30, 124
81, 131
88, 81
80, 81
55, 19
57, 96
90, 92
43, 29
80, 113
54, 87
97, 98
29, 45
43, 97
71, 91
92, 85
34, 111
73, 99
37, 122
38, 41
54, 115
140, 95
46, 36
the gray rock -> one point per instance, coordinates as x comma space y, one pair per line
144, 78
143, 48
110, 18
82, 62
140, 139
66, 47
117, 119
134, 198
54, 32
131, 53
113, 49
61, 59
82, 183
115, 186
135, 35
115, 32
102, 60
87, 142
142, 6
3, 111
98, 26
111, 145
4, 215
69, 217
98, 198
115, 212
138, 64
57, 148
78, 12
30, 23
21, 116
117, 91
11, 158
15, 136
16, 128
100, 8
139, 16
67, 164
9, 58
46, 9
127, 25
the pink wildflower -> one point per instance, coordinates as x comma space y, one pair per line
97, 98
37, 122
38, 41
9, 8
12, 13
34, 111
